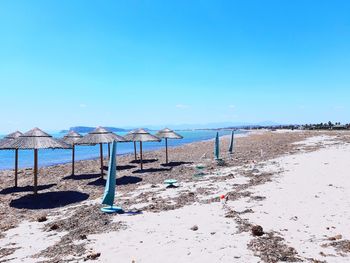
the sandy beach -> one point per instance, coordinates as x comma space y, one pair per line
293, 184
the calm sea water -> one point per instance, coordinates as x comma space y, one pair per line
59, 156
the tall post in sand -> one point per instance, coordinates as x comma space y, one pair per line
35, 171
73, 158
16, 167
135, 153
166, 150
141, 163
101, 156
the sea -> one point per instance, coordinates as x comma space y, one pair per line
49, 157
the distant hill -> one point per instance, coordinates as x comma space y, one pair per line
85, 129
217, 125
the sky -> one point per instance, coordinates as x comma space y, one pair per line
137, 63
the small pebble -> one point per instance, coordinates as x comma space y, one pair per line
194, 228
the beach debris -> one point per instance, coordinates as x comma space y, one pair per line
42, 219
258, 198
221, 162
54, 227
341, 246
255, 171
334, 238
246, 211
4, 252
93, 256
257, 231
194, 228
86, 220
271, 248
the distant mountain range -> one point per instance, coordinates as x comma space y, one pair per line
213, 125
87, 129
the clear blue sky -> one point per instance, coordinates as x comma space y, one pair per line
137, 63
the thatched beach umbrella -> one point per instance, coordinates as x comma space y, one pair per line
167, 134
35, 139
71, 138
8, 138
100, 136
129, 136
140, 135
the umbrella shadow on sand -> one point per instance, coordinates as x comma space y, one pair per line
82, 176
48, 200
152, 170
125, 180
22, 189
145, 161
174, 164
122, 167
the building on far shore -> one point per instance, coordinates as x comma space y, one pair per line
340, 127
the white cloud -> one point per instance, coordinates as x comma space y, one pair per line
182, 106
231, 106
82, 105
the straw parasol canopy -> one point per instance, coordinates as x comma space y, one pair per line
8, 138
71, 138
167, 134
141, 135
35, 139
100, 136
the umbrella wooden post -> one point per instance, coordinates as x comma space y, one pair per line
16, 167
35, 171
141, 156
167, 134
109, 151
135, 153
73, 158
101, 155
166, 150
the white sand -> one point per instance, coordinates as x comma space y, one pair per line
31, 239
166, 237
313, 194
